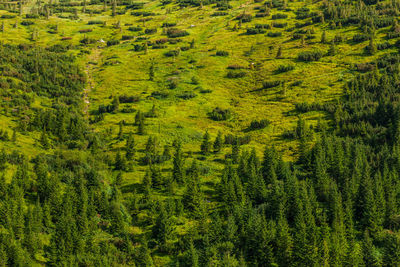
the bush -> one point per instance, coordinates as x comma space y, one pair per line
187, 95
159, 94
279, 25
168, 24
274, 34
251, 31
174, 33
27, 23
127, 37
7, 16
359, 38
219, 114
233, 74
112, 42
139, 47
219, 13
85, 30
172, 53
270, 84
308, 56
279, 16
135, 29
235, 67
244, 17
93, 22
221, 53
256, 125
150, 31
284, 68
128, 99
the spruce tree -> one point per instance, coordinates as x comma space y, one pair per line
130, 147
218, 143
206, 144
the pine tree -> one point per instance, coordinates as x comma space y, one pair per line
121, 130
218, 143
115, 104
14, 136
323, 37
118, 179
371, 256
268, 168
284, 241
162, 228
44, 140
235, 151
3, 257
178, 171
192, 197
130, 147
114, 8
206, 144
371, 48
279, 53
151, 71
332, 49
120, 162
141, 126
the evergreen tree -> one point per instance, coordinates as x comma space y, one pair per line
178, 171
218, 143
206, 144
130, 147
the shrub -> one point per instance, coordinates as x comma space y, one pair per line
93, 22
219, 114
139, 47
359, 38
270, 84
251, 31
150, 31
27, 23
174, 33
159, 94
244, 17
235, 67
187, 95
274, 34
172, 53
112, 42
168, 24
127, 37
135, 29
222, 53
261, 124
85, 30
219, 13
308, 56
279, 16
7, 16
279, 25
128, 99
233, 74
284, 68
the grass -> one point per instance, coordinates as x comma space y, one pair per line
118, 70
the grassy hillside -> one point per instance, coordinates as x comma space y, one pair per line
262, 74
